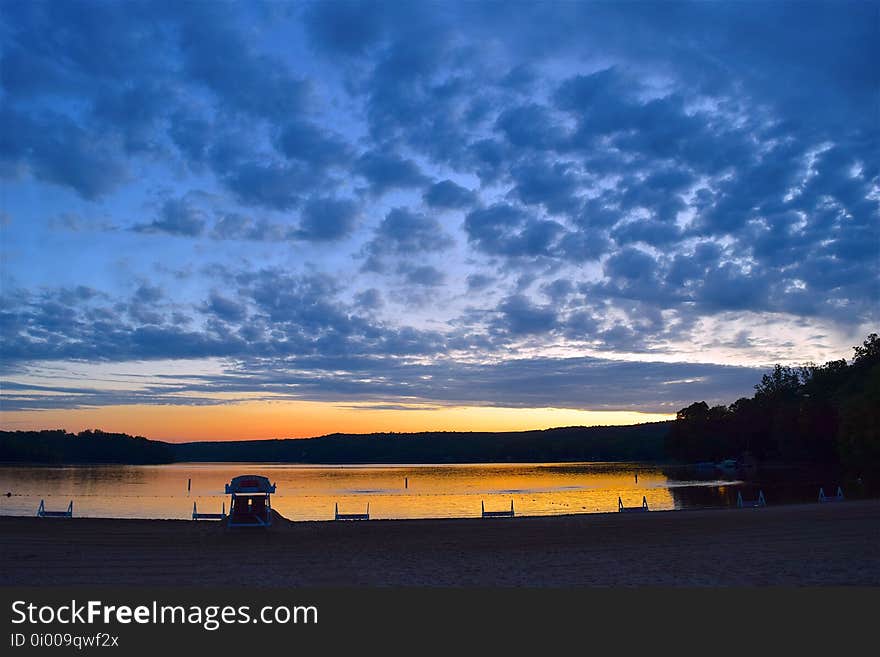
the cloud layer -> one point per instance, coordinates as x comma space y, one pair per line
443, 203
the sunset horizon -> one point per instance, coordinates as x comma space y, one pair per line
249, 421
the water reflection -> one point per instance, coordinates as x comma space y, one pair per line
780, 485
309, 492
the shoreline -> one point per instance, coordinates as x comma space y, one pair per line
796, 544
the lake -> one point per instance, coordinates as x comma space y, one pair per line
310, 492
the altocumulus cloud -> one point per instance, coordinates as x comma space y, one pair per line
340, 196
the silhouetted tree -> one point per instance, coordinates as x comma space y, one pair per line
820, 413
58, 446
859, 429
868, 353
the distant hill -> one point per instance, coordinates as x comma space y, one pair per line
641, 442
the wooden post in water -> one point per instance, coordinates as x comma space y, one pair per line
189, 484
406, 482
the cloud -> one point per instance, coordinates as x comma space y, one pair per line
422, 275
273, 314
448, 195
578, 383
327, 219
304, 141
519, 316
369, 300
504, 229
649, 231
135, 110
144, 294
193, 135
346, 28
540, 182
54, 149
177, 217
477, 282
226, 309
488, 157
274, 186
243, 78
385, 171
234, 226
404, 233
530, 127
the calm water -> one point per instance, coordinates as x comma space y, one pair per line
309, 492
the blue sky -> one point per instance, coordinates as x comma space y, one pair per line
594, 206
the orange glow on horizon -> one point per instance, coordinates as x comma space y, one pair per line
294, 419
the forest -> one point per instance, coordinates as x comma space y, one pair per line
808, 414
60, 447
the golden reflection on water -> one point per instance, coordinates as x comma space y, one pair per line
309, 492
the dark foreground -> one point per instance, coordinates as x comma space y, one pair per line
815, 544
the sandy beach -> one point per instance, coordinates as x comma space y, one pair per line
810, 544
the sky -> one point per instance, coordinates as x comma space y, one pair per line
253, 220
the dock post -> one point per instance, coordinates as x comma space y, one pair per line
511, 507
189, 484
405, 482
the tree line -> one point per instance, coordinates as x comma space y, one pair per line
59, 446
813, 413
643, 442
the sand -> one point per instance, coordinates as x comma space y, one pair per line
810, 544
